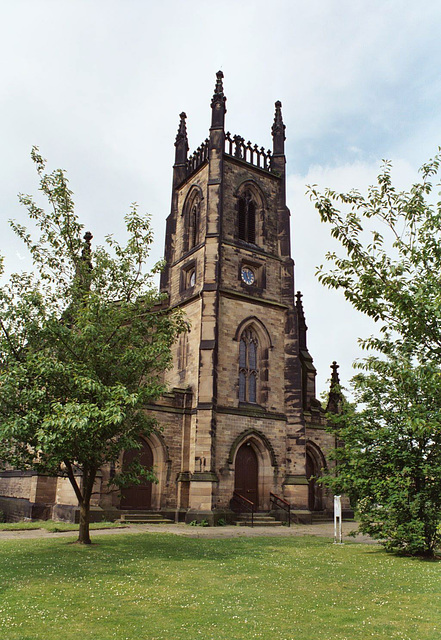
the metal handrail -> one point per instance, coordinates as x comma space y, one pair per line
281, 504
244, 503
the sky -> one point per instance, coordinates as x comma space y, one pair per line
98, 86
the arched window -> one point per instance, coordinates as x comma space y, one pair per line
315, 465
247, 218
248, 370
193, 224
192, 219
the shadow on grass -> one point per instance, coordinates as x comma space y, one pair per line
116, 554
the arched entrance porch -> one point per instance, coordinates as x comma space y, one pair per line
153, 455
246, 473
315, 463
254, 463
138, 496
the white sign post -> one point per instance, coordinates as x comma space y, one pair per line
337, 520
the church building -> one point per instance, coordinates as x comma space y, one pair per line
241, 428
242, 419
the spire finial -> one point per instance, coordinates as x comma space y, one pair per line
278, 131
299, 306
301, 319
219, 88
182, 129
335, 378
181, 142
218, 103
335, 394
219, 78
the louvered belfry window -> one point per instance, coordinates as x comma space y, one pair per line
248, 367
247, 218
193, 224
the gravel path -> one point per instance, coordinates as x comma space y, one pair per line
323, 530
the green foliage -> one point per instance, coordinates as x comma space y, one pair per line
389, 461
84, 342
199, 523
393, 258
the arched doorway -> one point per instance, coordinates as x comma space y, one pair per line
246, 473
138, 496
313, 471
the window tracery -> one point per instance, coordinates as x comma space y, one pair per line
192, 219
248, 366
247, 218
193, 224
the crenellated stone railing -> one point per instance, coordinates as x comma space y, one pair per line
198, 157
237, 147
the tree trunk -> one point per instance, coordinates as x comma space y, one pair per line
83, 498
83, 533
88, 480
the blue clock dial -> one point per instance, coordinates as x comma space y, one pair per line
247, 275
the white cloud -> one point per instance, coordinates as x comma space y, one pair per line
333, 325
99, 86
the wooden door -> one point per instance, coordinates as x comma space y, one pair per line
138, 496
246, 478
315, 502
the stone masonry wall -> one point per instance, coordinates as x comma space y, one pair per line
181, 259
16, 486
229, 428
235, 174
185, 369
232, 313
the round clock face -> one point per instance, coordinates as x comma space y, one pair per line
247, 275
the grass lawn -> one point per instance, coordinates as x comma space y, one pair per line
161, 586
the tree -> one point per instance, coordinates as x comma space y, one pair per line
84, 343
389, 458
389, 461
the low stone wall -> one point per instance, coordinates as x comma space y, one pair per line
71, 513
16, 484
16, 509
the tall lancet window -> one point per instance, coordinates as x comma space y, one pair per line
248, 366
193, 224
192, 215
247, 218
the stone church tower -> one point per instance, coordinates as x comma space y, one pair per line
253, 426
240, 425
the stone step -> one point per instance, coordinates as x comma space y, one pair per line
321, 516
144, 521
144, 518
257, 523
243, 516
260, 520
